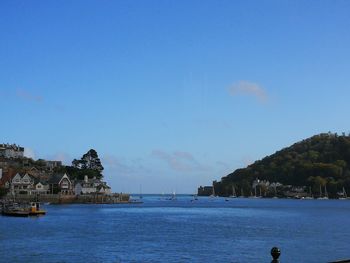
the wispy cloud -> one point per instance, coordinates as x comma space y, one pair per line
249, 89
123, 167
26, 95
28, 152
180, 161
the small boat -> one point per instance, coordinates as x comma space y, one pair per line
233, 192
15, 213
321, 197
14, 209
35, 210
194, 198
213, 193
343, 195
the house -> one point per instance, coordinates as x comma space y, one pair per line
52, 164
22, 184
103, 189
61, 184
41, 187
91, 186
11, 151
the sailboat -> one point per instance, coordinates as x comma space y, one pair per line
344, 195
321, 197
255, 196
173, 197
233, 192
275, 191
310, 196
194, 197
213, 194
242, 194
325, 192
140, 192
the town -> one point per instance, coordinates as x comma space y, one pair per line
24, 180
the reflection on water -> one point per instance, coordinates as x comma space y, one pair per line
182, 230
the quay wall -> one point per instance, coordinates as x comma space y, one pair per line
73, 199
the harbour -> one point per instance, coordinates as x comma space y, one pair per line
240, 230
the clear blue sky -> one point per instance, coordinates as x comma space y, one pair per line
171, 94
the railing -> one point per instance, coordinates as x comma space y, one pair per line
276, 252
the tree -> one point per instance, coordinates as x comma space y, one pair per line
3, 191
89, 161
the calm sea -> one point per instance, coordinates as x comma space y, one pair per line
207, 230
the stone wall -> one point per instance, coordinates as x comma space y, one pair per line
71, 199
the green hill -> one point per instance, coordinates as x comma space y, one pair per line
322, 160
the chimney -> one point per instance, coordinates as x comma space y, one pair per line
86, 178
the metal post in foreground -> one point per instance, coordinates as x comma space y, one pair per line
275, 253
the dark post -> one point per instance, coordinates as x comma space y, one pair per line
275, 253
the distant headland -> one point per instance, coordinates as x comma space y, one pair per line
317, 167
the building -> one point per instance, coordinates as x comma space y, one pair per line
61, 184
41, 187
11, 151
22, 184
53, 164
205, 190
91, 186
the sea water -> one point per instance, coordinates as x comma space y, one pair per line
181, 230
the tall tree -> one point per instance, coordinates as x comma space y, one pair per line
90, 160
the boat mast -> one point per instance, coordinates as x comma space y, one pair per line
344, 193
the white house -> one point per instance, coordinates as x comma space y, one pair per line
90, 186
62, 183
22, 184
41, 188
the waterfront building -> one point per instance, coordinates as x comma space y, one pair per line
41, 187
22, 184
61, 184
11, 151
205, 190
91, 186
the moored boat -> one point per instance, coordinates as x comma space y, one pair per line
20, 210
14, 209
35, 210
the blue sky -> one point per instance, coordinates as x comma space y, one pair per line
171, 94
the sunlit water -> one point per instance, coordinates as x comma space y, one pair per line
207, 230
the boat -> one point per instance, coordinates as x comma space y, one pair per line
242, 194
172, 197
23, 210
194, 198
140, 197
14, 209
35, 210
343, 195
308, 197
233, 192
213, 194
15, 213
325, 197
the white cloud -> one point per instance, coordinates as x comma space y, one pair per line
249, 89
29, 153
180, 161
